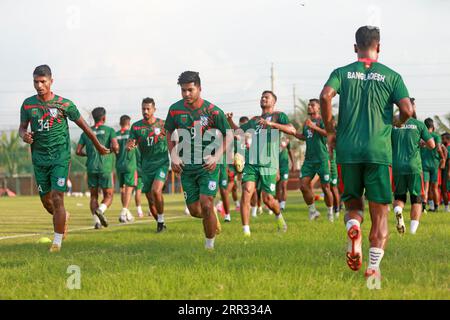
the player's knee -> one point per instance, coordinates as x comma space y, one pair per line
48, 205
267, 199
415, 199
206, 207
57, 199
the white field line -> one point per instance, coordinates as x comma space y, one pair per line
89, 228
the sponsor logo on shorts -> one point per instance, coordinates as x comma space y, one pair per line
212, 185
61, 182
224, 182
272, 187
162, 174
326, 177
334, 181
285, 176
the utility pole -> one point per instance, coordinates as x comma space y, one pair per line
294, 97
272, 78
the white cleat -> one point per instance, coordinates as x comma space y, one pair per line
400, 223
314, 215
129, 216
331, 217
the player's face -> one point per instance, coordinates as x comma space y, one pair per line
190, 92
267, 101
42, 84
313, 109
148, 109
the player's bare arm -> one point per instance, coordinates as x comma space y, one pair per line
442, 155
316, 128
115, 146
229, 116
80, 150
131, 144
176, 163
326, 97
286, 128
26, 136
406, 112
83, 125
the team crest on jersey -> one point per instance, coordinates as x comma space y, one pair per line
157, 131
61, 182
212, 185
184, 118
269, 118
272, 187
53, 112
204, 120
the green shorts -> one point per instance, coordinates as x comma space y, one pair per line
284, 173
404, 183
430, 174
334, 174
150, 176
197, 182
100, 180
129, 179
265, 178
52, 177
223, 176
374, 178
311, 169
140, 184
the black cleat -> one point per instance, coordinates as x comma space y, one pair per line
102, 217
97, 226
160, 227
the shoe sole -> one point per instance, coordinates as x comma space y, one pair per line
354, 259
400, 227
102, 218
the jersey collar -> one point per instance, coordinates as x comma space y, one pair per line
367, 61
196, 105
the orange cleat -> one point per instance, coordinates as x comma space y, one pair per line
354, 251
372, 272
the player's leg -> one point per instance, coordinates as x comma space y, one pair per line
234, 192
415, 190
137, 197
400, 191
444, 190
353, 188
43, 182
307, 173
106, 184
249, 180
230, 187
324, 174
123, 197
224, 194
282, 187
147, 181
334, 189
434, 187
157, 196
426, 189
377, 181
253, 202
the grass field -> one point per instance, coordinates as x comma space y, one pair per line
133, 262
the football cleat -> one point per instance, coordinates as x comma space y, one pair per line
400, 223
354, 251
129, 216
331, 217
373, 272
55, 248
160, 227
122, 218
247, 234
314, 215
281, 224
97, 226
101, 217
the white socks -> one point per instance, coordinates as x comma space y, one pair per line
414, 226
102, 208
209, 243
375, 256
139, 210
254, 211
282, 205
431, 204
58, 239
398, 209
246, 228
161, 218
312, 208
352, 222
96, 219
237, 203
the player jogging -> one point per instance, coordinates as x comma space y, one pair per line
285, 155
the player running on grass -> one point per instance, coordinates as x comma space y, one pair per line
367, 90
149, 136
316, 160
47, 115
194, 121
407, 168
285, 155
432, 161
263, 159
99, 167
126, 168
445, 172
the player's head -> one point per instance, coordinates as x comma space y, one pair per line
125, 121
191, 86
429, 123
446, 138
313, 107
243, 120
148, 108
268, 100
413, 103
42, 79
367, 39
99, 114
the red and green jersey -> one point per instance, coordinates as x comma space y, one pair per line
48, 121
125, 160
97, 163
284, 154
406, 146
316, 144
152, 143
430, 158
263, 151
366, 103
195, 124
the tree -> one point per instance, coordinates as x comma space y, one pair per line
15, 157
441, 126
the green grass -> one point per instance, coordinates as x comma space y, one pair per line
133, 262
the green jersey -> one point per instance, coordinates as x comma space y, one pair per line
366, 103
316, 144
97, 163
125, 160
284, 154
199, 126
263, 151
152, 143
48, 121
430, 158
406, 146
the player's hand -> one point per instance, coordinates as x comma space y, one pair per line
177, 164
310, 124
28, 137
442, 164
210, 163
103, 150
265, 123
331, 139
422, 143
229, 115
131, 144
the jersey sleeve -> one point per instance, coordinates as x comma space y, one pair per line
24, 115
72, 111
438, 139
169, 124
113, 134
133, 133
334, 81
424, 133
283, 118
399, 90
82, 140
222, 123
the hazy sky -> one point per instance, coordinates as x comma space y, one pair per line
114, 53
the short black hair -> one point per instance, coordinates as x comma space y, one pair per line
314, 100
429, 123
243, 118
367, 36
124, 119
42, 71
270, 92
148, 100
98, 113
189, 77
413, 100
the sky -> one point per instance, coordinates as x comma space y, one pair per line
115, 53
